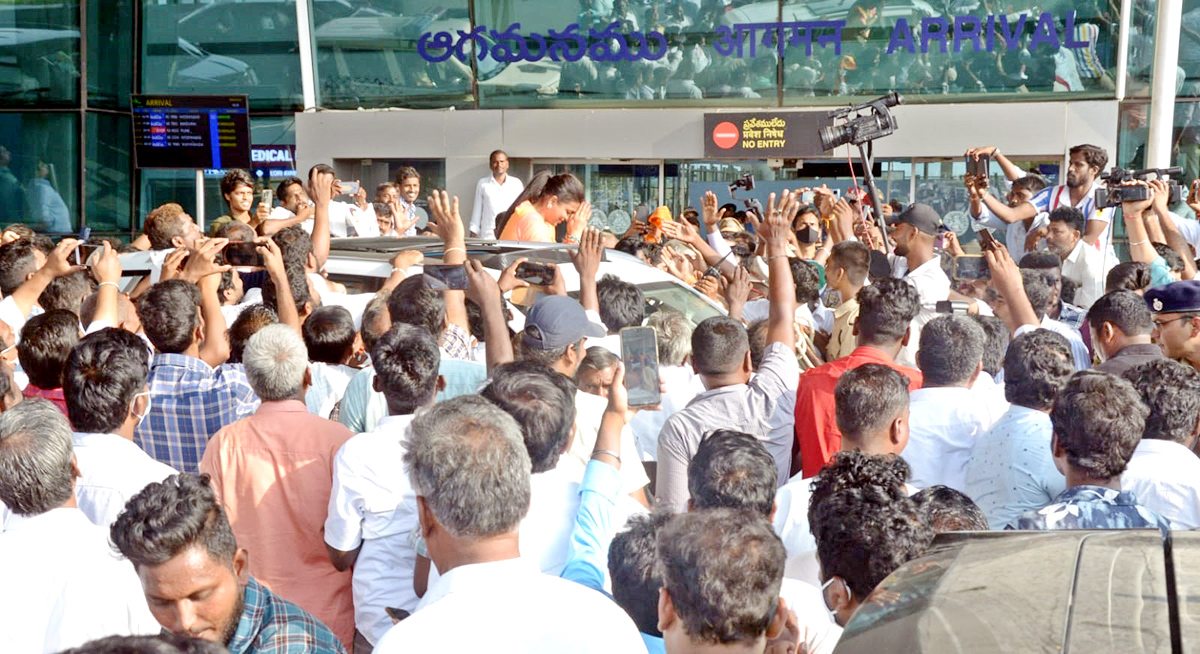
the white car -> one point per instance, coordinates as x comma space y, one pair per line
362, 264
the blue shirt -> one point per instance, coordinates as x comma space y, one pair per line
587, 551
1093, 507
362, 406
273, 625
1011, 469
189, 402
1079, 351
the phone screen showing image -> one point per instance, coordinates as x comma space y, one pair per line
639, 352
536, 273
445, 278
243, 254
971, 266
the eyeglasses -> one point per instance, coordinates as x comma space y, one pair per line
1159, 324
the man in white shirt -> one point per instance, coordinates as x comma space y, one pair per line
989, 385
872, 413
333, 342
373, 507
1086, 164
1082, 264
542, 403
493, 194
1164, 472
470, 468
914, 233
63, 584
722, 572
945, 416
104, 385
1022, 191
1011, 468
732, 470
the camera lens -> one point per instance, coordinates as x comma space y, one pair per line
834, 136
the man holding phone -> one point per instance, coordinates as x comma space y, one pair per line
1079, 192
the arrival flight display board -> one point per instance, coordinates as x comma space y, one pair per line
191, 131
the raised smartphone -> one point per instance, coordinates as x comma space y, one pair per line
639, 352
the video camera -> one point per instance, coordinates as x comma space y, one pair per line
1115, 193
860, 129
746, 183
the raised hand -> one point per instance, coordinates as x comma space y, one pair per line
587, 256
737, 292
202, 261
508, 279
58, 262
710, 210
449, 224
107, 267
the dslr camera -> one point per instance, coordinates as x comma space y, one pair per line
1115, 193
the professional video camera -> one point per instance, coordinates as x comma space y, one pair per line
1115, 193
860, 129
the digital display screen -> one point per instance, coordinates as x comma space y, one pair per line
191, 131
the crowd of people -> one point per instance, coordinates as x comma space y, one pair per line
213, 457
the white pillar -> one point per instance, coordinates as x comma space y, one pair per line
308, 80
1162, 90
200, 218
1122, 72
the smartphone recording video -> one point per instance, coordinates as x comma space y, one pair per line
350, 188
639, 352
445, 278
83, 253
978, 166
243, 254
971, 266
538, 274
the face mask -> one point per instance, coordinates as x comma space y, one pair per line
832, 613
142, 416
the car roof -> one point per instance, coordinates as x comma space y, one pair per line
1059, 591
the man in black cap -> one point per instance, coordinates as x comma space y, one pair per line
555, 337
914, 232
1176, 309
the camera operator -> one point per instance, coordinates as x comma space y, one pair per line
1146, 226
1087, 161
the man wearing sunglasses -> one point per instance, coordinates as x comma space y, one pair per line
1176, 314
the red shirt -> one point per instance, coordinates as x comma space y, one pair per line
55, 396
817, 433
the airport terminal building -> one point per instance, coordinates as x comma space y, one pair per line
624, 93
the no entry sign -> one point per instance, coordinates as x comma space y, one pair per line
759, 135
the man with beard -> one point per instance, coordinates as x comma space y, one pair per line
914, 232
1082, 264
197, 580
1087, 161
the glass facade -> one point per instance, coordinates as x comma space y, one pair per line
68, 67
